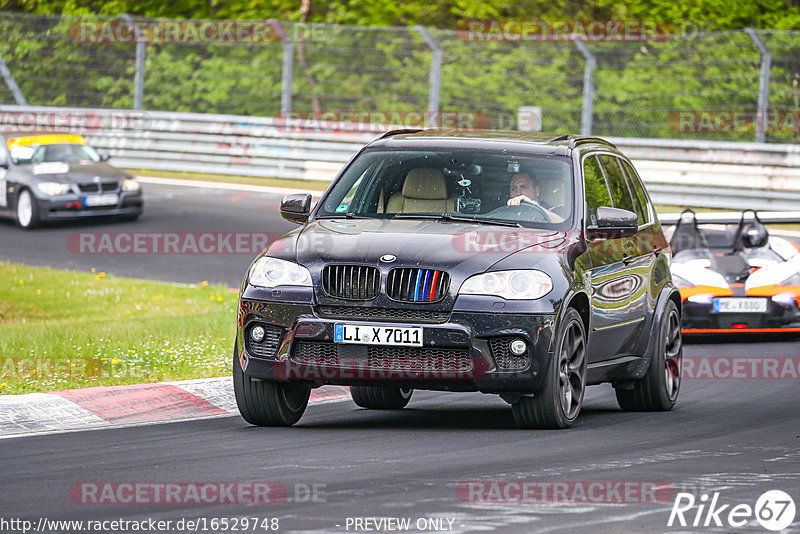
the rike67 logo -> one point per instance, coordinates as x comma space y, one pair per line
774, 510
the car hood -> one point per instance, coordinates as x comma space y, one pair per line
460, 248
73, 172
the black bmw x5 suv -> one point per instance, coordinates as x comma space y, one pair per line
526, 265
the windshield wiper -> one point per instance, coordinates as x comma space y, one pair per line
496, 222
345, 216
458, 218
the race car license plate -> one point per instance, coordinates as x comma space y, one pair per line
377, 335
740, 305
110, 199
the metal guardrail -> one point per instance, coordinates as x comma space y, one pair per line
687, 173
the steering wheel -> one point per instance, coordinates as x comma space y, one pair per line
526, 211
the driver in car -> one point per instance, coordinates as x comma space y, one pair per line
524, 189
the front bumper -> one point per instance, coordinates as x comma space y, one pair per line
700, 318
463, 352
72, 206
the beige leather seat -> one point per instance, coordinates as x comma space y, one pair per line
424, 190
552, 192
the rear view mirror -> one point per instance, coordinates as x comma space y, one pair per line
296, 207
614, 223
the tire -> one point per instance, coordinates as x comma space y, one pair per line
264, 403
658, 390
559, 402
378, 398
27, 212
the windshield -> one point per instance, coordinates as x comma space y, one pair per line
471, 185
67, 153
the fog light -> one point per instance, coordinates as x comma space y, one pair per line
517, 347
257, 334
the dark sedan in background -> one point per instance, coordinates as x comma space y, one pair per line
55, 176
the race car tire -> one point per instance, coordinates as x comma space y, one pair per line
264, 403
658, 390
378, 398
27, 212
559, 402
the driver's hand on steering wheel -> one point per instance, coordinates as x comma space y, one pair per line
519, 199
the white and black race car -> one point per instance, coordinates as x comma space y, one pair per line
733, 275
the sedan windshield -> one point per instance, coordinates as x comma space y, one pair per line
67, 153
478, 186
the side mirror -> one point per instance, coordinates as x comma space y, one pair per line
613, 223
296, 208
105, 157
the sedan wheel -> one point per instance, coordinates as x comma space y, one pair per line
27, 210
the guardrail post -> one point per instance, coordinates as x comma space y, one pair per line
138, 84
763, 84
19, 98
435, 78
287, 70
587, 109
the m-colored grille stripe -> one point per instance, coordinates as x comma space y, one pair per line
433, 285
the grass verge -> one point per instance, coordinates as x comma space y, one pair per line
63, 330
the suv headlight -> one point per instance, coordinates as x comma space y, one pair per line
53, 188
129, 184
272, 272
527, 284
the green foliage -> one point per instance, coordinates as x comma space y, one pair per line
640, 86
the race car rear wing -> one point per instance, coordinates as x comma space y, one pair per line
731, 217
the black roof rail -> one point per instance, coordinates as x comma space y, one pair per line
562, 137
575, 141
390, 133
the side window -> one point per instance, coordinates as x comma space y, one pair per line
596, 189
643, 209
617, 184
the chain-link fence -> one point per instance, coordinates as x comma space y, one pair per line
735, 85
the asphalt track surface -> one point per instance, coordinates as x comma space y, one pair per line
168, 210
738, 437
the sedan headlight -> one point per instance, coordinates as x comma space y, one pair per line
53, 188
525, 284
129, 184
272, 272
